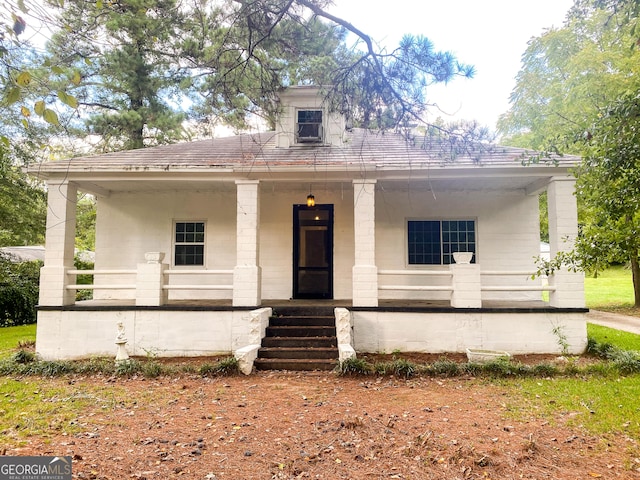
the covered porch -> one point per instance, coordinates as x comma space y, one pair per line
370, 269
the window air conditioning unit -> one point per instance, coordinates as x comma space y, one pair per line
309, 126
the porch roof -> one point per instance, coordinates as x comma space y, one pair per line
255, 153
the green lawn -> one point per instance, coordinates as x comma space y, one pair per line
10, 338
612, 290
618, 338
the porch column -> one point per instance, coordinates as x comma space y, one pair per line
365, 271
247, 274
466, 285
59, 244
563, 230
149, 281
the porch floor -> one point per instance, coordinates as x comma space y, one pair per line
383, 305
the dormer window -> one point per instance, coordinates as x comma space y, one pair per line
309, 126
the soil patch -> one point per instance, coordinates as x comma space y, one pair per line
291, 425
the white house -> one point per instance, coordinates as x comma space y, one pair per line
197, 243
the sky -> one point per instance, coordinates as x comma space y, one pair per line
491, 35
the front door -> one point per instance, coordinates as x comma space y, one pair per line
313, 251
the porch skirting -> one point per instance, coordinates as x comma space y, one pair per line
74, 332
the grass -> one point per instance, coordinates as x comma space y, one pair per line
611, 290
12, 337
622, 340
603, 406
46, 408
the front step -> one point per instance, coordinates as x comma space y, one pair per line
295, 364
299, 339
299, 352
302, 342
301, 331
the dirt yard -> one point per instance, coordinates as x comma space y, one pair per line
288, 425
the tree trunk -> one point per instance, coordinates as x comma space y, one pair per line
635, 270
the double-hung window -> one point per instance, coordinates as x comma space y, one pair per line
188, 244
433, 242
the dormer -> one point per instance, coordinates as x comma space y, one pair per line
306, 122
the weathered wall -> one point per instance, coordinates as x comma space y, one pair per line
78, 334
196, 333
515, 333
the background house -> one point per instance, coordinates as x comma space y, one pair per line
197, 242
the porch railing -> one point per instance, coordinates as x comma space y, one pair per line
106, 286
514, 288
165, 285
198, 286
420, 288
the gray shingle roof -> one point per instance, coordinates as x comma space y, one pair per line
379, 150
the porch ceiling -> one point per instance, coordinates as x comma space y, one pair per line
475, 181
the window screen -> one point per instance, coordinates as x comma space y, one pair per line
433, 242
189, 243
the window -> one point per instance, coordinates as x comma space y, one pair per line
309, 126
433, 242
189, 243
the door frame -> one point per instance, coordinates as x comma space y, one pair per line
328, 251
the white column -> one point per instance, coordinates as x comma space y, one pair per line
466, 285
247, 274
563, 231
365, 271
62, 198
149, 281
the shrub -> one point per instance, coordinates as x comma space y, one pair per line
19, 290
225, 367
355, 366
49, 369
403, 368
84, 294
627, 361
128, 367
445, 367
23, 356
544, 370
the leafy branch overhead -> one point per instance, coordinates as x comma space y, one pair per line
131, 72
26, 75
577, 93
366, 81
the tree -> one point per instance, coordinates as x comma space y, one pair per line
148, 64
576, 92
609, 185
366, 82
22, 204
126, 55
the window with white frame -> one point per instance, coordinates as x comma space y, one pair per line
309, 126
188, 244
433, 242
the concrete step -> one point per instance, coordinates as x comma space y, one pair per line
294, 364
303, 310
301, 342
300, 331
300, 320
310, 353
